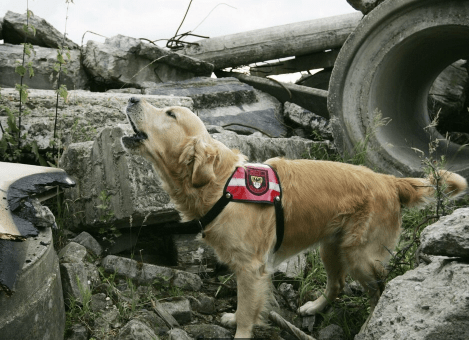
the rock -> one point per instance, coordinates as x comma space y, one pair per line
289, 294
308, 323
179, 308
364, 6
129, 182
147, 273
205, 304
222, 101
72, 253
81, 118
207, 331
89, 243
136, 330
331, 332
100, 302
43, 62
46, 35
78, 332
178, 334
447, 99
133, 188
153, 321
192, 253
77, 279
310, 122
292, 267
429, 302
449, 236
127, 62
105, 321
259, 149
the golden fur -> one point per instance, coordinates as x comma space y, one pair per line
353, 213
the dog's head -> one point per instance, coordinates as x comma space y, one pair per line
174, 139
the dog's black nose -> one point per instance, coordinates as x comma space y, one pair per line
134, 100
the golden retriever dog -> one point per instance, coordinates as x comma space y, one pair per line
351, 212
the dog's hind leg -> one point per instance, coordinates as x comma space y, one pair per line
333, 263
370, 272
253, 288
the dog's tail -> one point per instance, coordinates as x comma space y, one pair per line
420, 191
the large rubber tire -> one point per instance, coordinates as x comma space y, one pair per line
388, 64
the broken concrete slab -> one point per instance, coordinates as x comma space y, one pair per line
227, 101
449, 236
208, 332
147, 273
128, 62
179, 308
80, 118
72, 253
78, 279
89, 242
46, 35
447, 99
37, 301
311, 123
43, 62
312, 99
129, 183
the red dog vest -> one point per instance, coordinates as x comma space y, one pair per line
255, 183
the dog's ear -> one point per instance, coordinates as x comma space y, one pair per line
202, 156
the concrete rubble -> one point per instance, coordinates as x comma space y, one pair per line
45, 36
430, 301
127, 62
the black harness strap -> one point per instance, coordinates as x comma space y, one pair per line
214, 212
280, 222
221, 204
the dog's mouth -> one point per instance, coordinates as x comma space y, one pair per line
138, 135
135, 140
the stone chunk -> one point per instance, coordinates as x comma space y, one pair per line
178, 334
43, 62
179, 308
127, 62
136, 330
147, 273
77, 279
292, 267
429, 302
46, 35
310, 122
449, 236
89, 242
78, 332
331, 332
72, 253
208, 332
81, 117
222, 101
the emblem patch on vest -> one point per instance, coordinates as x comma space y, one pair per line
257, 180
256, 183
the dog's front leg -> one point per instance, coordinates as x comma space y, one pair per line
252, 290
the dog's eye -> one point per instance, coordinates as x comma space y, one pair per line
171, 114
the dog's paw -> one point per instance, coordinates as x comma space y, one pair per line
313, 307
228, 320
